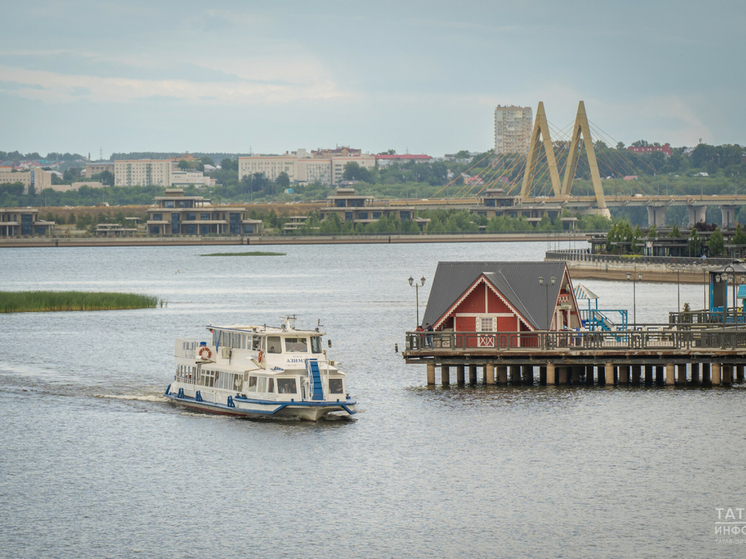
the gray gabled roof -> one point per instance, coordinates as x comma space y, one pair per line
518, 282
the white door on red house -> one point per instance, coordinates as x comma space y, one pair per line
486, 323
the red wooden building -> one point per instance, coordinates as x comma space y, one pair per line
501, 297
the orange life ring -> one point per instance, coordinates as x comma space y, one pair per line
261, 356
203, 350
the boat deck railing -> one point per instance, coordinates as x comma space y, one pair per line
644, 337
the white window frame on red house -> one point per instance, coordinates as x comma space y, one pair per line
485, 341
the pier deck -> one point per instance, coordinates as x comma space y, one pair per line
710, 354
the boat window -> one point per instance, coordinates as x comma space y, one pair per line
252, 384
286, 386
262, 384
256, 343
270, 385
296, 345
273, 344
336, 386
237, 382
316, 344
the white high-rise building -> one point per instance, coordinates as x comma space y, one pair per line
142, 172
513, 129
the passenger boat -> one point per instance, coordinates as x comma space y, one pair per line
259, 372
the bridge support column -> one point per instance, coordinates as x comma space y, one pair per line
623, 375
551, 379
670, 370
681, 375
472, 374
729, 215
697, 214
715, 374
657, 215
489, 374
445, 375
431, 374
609, 374
502, 374
460, 375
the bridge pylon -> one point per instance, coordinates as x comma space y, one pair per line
541, 129
581, 127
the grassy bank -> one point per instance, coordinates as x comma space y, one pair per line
50, 301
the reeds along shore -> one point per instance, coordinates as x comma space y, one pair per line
51, 301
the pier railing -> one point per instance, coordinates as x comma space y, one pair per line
649, 337
707, 317
582, 255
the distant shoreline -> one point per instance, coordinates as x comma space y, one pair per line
309, 240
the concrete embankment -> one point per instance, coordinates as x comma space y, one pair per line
272, 240
667, 273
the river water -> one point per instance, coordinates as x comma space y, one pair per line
95, 463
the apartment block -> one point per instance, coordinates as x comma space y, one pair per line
322, 166
513, 129
142, 172
38, 178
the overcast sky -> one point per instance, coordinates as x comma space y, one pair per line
422, 76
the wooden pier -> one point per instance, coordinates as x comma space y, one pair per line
698, 354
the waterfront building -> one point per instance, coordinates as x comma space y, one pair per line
37, 178
513, 129
23, 222
322, 166
665, 149
114, 230
176, 214
363, 208
501, 297
185, 178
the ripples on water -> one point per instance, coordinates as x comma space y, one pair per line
95, 463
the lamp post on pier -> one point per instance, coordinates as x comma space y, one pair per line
417, 286
635, 278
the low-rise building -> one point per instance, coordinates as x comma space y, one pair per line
362, 208
114, 230
384, 160
23, 222
98, 167
37, 178
176, 214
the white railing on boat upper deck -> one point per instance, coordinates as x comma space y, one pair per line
185, 348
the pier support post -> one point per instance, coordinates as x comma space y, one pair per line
445, 375
660, 376
472, 374
670, 369
551, 379
727, 374
460, 375
706, 374
542, 375
649, 374
589, 375
527, 374
739, 373
636, 374
623, 375
696, 377
681, 374
489, 373
562, 375
715, 374
431, 374
502, 374
576, 370
609, 374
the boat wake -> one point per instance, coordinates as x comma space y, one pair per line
133, 397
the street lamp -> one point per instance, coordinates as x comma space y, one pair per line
634, 294
417, 286
546, 289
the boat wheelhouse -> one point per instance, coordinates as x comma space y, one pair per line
259, 371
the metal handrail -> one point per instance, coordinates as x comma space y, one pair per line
648, 337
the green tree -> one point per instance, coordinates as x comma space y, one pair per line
740, 237
282, 180
354, 172
675, 234
184, 165
716, 244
